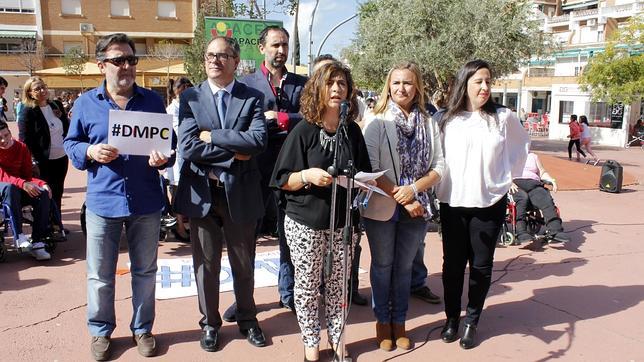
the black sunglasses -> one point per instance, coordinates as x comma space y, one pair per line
120, 61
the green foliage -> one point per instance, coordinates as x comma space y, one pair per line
617, 74
193, 54
74, 63
441, 36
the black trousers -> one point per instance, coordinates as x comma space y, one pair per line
533, 192
469, 236
53, 172
577, 144
207, 238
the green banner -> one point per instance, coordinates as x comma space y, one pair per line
246, 32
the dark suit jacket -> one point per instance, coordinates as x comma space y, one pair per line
291, 92
33, 129
247, 135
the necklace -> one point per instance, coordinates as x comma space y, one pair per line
327, 141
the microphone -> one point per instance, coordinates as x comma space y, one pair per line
344, 110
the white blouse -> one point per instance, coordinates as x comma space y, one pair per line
56, 130
481, 160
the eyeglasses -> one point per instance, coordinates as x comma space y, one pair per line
120, 61
218, 56
39, 89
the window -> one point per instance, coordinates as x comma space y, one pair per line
120, 8
17, 6
141, 48
598, 112
11, 46
166, 9
566, 108
69, 45
70, 7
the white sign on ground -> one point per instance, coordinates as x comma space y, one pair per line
138, 133
176, 277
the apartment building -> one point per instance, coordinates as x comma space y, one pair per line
59, 25
550, 86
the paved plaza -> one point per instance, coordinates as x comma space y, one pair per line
578, 302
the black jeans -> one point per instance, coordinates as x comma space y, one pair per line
578, 145
469, 235
533, 192
53, 172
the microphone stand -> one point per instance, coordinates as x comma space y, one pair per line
341, 136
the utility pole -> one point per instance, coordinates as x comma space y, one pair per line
311, 37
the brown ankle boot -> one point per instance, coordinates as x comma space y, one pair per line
383, 336
401, 336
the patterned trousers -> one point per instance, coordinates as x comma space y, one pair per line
308, 248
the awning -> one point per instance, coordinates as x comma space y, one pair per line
20, 34
570, 5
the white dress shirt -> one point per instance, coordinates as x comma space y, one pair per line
480, 159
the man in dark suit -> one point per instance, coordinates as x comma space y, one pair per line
282, 91
221, 130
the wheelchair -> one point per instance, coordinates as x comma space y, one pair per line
55, 234
636, 138
534, 223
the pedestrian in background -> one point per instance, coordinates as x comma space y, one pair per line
575, 136
586, 138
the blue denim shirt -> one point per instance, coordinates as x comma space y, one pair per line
127, 185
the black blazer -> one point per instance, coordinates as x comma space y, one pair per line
33, 129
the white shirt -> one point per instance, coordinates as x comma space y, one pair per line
585, 131
229, 89
172, 173
56, 149
481, 161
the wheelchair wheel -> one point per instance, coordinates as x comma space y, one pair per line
506, 238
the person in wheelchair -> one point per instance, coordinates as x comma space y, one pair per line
17, 188
530, 189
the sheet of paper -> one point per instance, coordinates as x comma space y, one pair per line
344, 182
138, 133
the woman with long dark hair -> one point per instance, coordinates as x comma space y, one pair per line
485, 147
402, 140
300, 172
42, 126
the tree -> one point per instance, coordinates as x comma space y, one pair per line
193, 54
441, 36
32, 54
74, 63
616, 75
167, 52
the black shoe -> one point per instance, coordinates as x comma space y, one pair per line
209, 340
288, 306
254, 336
358, 299
469, 337
424, 293
177, 236
560, 237
229, 314
450, 331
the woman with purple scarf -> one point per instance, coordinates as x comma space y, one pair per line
403, 141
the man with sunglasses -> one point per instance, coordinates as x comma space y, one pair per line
221, 131
122, 190
282, 90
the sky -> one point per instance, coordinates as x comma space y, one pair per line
328, 14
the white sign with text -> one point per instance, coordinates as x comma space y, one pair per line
138, 133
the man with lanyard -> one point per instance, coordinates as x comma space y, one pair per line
282, 91
122, 190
